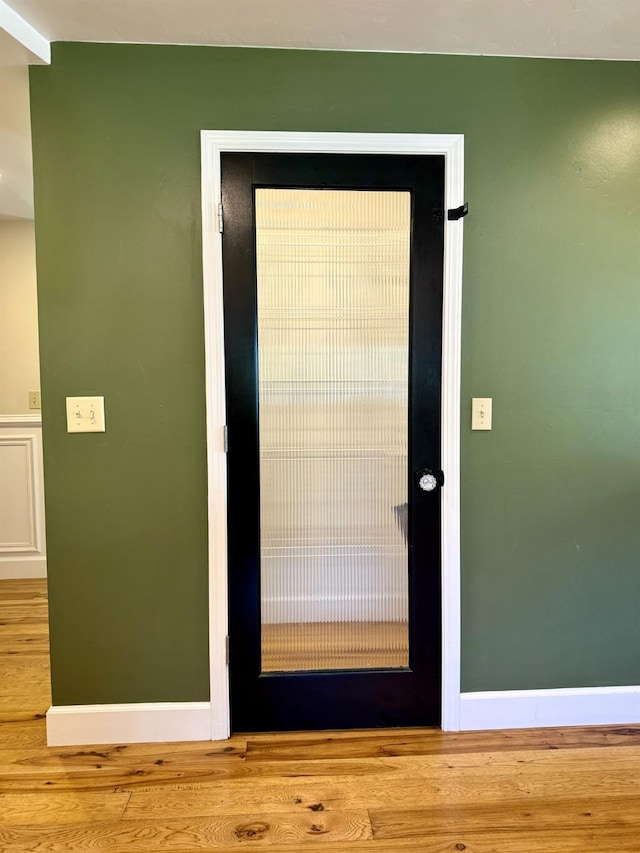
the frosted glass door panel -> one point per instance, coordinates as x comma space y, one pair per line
333, 359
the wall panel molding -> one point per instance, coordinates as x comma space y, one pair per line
22, 532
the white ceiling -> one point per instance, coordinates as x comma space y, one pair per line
606, 29
596, 29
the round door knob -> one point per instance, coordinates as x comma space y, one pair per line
428, 482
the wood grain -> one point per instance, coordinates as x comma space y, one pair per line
261, 829
414, 790
56, 808
570, 814
23, 644
329, 795
435, 742
295, 646
19, 735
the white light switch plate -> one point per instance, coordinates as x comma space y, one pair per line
85, 414
481, 412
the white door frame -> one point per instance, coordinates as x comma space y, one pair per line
214, 142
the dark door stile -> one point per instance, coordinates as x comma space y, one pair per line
333, 699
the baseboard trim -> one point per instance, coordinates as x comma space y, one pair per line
144, 722
156, 722
531, 709
23, 567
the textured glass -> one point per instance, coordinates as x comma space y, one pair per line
333, 355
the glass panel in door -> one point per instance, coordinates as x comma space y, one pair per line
333, 364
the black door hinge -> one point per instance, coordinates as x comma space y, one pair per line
458, 212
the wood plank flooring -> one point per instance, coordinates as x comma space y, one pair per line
295, 646
391, 791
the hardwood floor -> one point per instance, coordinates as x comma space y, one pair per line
291, 647
392, 791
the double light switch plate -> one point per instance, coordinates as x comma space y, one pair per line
85, 414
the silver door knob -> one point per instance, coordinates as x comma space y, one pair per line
428, 482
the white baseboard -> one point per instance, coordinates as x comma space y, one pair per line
158, 722
144, 722
23, 567
531, 709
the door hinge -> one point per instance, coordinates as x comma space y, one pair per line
225, 438
452, 214
220, 218
226, 650
458, 212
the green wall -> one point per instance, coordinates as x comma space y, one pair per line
550, 497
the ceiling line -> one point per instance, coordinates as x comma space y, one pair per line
245, 46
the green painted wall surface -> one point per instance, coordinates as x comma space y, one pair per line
550, 497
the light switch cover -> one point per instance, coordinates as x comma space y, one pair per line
481, 413
85, 414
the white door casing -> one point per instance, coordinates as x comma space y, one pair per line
452, 147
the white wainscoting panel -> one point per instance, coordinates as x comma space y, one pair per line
143, 722
22, 534
532, 709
